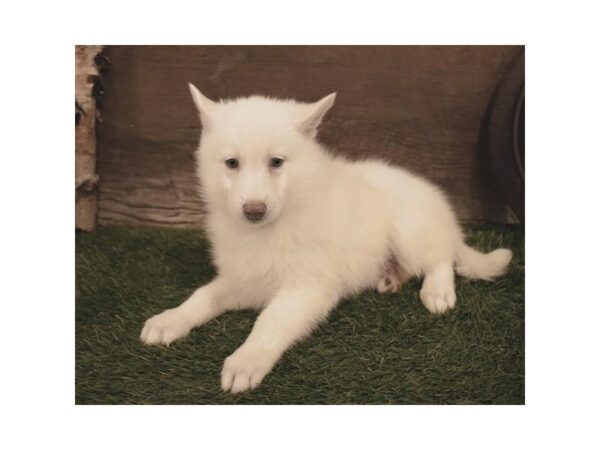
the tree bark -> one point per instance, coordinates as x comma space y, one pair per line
86, 179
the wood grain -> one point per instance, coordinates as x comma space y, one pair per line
418, 106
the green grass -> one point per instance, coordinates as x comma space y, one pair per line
375, 349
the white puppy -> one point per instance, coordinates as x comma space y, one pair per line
295, 229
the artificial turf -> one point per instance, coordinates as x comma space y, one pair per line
374, 349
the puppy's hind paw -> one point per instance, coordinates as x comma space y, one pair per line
438, 301
388, 285
392, 278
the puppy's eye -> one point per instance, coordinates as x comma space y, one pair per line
232, 163
276, 162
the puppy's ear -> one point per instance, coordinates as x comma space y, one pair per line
316, 111
204, 105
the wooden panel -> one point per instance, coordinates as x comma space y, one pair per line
418, 106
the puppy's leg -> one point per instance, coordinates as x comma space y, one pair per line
392, 278
291, 315
205, 303
437, 293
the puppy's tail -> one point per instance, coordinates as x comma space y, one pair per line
485, 266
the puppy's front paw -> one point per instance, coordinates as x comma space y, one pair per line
245, 368
438, 300
165, 327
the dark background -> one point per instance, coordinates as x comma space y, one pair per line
423, 107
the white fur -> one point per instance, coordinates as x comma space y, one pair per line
331, 225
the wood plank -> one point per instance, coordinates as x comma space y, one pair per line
418, 106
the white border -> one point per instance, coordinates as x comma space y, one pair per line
36, 173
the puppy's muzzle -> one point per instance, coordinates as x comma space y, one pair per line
254, 211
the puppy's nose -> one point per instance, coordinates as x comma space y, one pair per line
254, 211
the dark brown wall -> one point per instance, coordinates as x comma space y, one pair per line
421, 107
